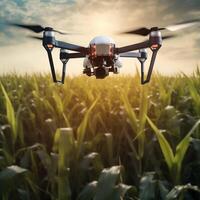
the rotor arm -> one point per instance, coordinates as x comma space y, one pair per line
133, 47
130, 55
72, 47
76, 55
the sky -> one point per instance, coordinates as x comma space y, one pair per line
85, 19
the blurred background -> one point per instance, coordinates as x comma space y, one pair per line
87, 19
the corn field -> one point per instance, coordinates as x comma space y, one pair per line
108, 139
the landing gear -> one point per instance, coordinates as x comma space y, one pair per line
116, 70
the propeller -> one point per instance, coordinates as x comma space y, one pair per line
168, 37
35, 28
35, 37
146, 31
165, 37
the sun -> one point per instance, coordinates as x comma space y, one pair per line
101, 24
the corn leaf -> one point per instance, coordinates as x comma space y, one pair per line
81, 131
106, 183
142, 120
109, 146
88, 192
66, 145
176, 192
10, 177
164, 145
182, 148
131, 114
10, 114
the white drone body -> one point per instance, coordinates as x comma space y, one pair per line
102, 47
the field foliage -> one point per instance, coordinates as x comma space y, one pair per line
108, 139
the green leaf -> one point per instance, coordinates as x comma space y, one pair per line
56, 140
92, 161
127, 191
131, 114
23, 194
66, 146
142, 119
151, 188
106, 183
11, 177
88, 191
10, 114
180, 189
182, 148
195, 145
143, 108
47, 163
81, 131
147, 188
164, 145
58, 102
109, 146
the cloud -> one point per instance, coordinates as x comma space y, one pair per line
94, 17
77, 14
186, 7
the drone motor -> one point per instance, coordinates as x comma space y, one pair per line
155, 39
49, 38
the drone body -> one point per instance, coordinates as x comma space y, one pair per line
102, 56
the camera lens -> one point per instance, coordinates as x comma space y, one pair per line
101, 72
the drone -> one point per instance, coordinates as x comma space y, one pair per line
102, 56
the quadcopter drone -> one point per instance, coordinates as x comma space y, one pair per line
102, 56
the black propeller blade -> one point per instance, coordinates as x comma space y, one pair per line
36, 37
141, 31
146, 31
35, 28
165, 37
168, 37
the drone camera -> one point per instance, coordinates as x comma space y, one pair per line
101, 72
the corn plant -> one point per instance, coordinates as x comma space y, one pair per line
106, 149
174, 161
137, 124
108, 187
13, 119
